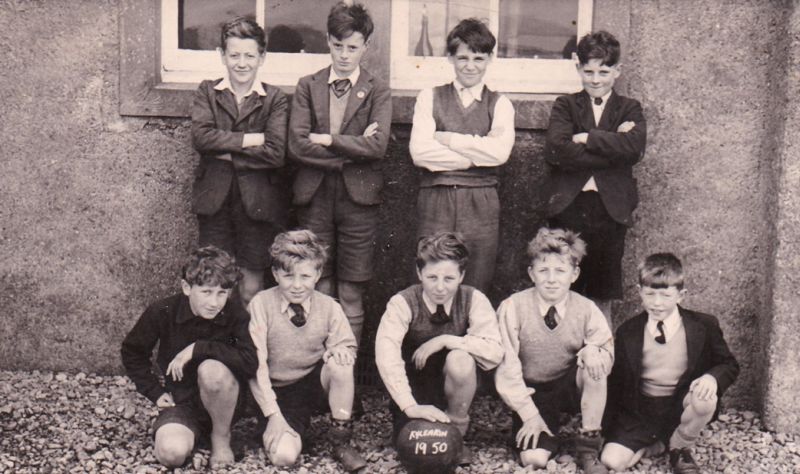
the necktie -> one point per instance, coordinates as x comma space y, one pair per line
440, 316
340, 87
299, 318
598, 101
661, 338
550, 318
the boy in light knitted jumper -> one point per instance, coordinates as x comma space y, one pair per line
306, 353
558, 353
433, 337
672, 366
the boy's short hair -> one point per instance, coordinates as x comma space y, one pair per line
294, 246
442, 246
661, 270
472, 32
600, 45
243, 28
344, 20
211, 266
564, 243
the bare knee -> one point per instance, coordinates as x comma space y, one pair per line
173, 446
703, 407
615, 459
215, 377
459, 365
587, 382
338, 372
536, 458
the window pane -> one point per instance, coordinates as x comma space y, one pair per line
200, 21
293, 27
430, 21
544, 29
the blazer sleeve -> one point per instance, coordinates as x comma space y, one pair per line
621, 148
272, 153
206, 137
724, 366
360, 148
560, 151
616, 382
301, 148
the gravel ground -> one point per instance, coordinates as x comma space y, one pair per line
58, 422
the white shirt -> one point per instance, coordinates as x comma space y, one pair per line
672, 324
256, 87
591, 185
465, 151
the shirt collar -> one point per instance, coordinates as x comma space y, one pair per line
475, 91
185, 313
672, 324
285, 306
256, 87
332, 76
605, 100
561, 306
432, 306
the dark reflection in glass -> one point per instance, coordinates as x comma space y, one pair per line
295, 26
430, 20
200, 21
543, 29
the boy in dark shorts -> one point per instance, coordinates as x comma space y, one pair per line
433, 337
672, 367
239, 129
338, 134
594, 138
204, 353
558, 353
306, 353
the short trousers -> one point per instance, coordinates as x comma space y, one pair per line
232, 230
601, 269
300, 401
655, 420
551, 399
348, 228
193, 415
473, 212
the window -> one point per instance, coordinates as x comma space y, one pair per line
536, 39
190, 29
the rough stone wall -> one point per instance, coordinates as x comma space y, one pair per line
95, 217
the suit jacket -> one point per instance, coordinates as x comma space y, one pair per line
707, 354
358, 158
609, 156
217, 129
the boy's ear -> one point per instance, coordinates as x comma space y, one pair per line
186, 287
617, 68
419, 274
681, 294
576, 272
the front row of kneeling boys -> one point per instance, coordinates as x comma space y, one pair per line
653, 387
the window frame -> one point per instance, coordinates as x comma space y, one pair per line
511, 75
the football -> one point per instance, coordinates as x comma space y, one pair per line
428, 447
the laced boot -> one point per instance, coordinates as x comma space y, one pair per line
340, 434
587, 449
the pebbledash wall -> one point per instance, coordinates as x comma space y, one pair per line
95, 214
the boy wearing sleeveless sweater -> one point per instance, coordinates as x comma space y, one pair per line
558, 353
432, 338
461, 133
306, 353
672, 367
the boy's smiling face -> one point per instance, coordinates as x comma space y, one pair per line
597, 78
553, 274
660, 302
346, 53
440, 280
242, 60
206, 301
297, 284
470, 67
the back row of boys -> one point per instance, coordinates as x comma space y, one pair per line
338, 133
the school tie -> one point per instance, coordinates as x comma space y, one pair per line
550, 318
340, 87
661, 338
598, 101
299, 318
440, 316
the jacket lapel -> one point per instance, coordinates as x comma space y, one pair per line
321, 101
251, 104
609, 117
358, 93
585, 111
227, 102
695, 333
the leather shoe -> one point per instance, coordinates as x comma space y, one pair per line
350, 459
682, 461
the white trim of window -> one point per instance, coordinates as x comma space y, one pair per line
523, 75
188, 66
